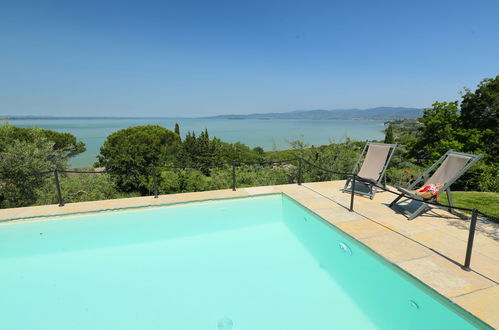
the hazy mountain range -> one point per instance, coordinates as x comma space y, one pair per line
379, 113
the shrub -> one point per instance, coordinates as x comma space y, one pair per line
80, 188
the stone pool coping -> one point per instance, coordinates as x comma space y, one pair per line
431, 248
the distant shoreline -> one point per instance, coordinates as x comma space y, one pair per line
80, 117
184, 118
379, 113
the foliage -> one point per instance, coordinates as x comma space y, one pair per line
480, 109
130, 152
389, 135
187, 180
299, 146
337, 157
199, 152
22, 162
472, 129
177, 129
403, 176
80, 188
204, 153
405, 132
480, 177
402, 169
172, 181
439, 133
480, 116
279, 155
258, 175
65, 144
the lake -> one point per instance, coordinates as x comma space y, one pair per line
272, 134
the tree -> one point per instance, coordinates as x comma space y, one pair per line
24, 156
440, 132
480, 116
200, 152
480, 109
472, 130
205, 154
65, 144
129, 153
177, 129
389, 138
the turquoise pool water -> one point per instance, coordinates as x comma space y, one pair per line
253, 263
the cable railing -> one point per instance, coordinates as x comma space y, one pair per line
299, 180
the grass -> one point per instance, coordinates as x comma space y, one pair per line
487, 202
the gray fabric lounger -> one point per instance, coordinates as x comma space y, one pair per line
453, 164
372, 172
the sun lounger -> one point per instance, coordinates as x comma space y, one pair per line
451, 166
372, 172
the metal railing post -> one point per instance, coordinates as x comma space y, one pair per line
58, 188
233, 177
471, 237
154, 181
299, 171
353, 190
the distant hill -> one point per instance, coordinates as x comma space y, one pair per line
380, 113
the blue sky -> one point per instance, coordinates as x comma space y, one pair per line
192, 58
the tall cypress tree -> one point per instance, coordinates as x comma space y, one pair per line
177, 129
389, 138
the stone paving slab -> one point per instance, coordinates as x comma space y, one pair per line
430, 247
437, 240
490, 250
447, 278
363, 229
396, 248
484, 303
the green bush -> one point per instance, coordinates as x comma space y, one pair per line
188, 180
403, 176
336, 157
172, 181
80, 188
256, 175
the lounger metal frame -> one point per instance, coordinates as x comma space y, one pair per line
365, 182
409, 191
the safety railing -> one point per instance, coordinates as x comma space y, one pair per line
299, 180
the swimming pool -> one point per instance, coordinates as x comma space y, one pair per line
248, 263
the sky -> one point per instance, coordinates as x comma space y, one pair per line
197, 58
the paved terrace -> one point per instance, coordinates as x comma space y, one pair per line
431, 247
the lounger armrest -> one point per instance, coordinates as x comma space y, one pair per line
399, 188
408, 193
